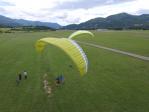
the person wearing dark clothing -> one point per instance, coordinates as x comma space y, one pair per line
61, 79
20, 76
58, 80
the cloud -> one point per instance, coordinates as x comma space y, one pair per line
2, 10
71, 20
86, 4
4, 3
143, 11
62, 16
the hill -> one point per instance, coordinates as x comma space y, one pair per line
118, 21
8, 22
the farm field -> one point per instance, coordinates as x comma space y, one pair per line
114, 82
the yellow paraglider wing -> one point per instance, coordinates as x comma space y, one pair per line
80, 32
70, 47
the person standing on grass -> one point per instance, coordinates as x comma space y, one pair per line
61, 78
57, 80
25, 74
17, 80
20, 76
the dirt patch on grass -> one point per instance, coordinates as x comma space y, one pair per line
47, 88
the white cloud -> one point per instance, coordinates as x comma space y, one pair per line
87, 4
52, 11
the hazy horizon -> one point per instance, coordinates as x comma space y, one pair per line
66, 12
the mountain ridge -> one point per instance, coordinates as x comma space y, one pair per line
8, 22
117, 21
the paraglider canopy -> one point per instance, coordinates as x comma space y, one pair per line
70, 47
80, 32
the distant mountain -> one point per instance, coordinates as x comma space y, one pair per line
118, 21
37, 23
8, 22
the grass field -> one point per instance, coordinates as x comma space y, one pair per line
132, 41
114, 82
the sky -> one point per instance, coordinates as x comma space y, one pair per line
67, 12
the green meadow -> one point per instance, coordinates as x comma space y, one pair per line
114, 82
